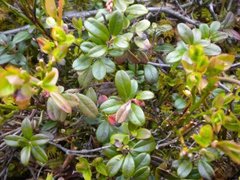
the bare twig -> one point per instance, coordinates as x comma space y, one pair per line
77, 152
230, 80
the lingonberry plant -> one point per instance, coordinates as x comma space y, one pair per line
106, 96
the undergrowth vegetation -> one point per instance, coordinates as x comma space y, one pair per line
136, 90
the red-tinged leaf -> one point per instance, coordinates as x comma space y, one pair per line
123, 112
102, 99
112, 119
61, 102
138, 102
51, 8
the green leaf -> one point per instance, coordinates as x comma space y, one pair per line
143, 133
87, 107
100, 166
142, 25
128, 166
120, 5
99, 69
123, 84
212, 50
81, 63
116, 23
91, 93
6, 58
86, 46
215, 26
142, 173
84, 167
97, 29
12, 140
114, 165
185, 33
122, 138
123, 112
142, 160
180, 103
6, 88
144, 95
205, 136
205, 170
110, 65
184, 168
85, 77
27, 128
104, 131
137, 10
116, 52
120, 42
50, 80
110, 106
61, 102
39, 139
136, 116
25, 155
97, 51
134, 88
151, 74
147, 145
21, 36
39, 154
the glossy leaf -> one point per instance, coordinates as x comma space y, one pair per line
205, 136
21, 36
99, 70
143, 133
110, 106
128, 166
144, 95
97, 51
25, 155
142, 160
136, 116
184, 169
39, 154
12, 140
205, 170
87, 107
114, 165
116, 23
142, 173
185, 33
147, 145
137, 10
27, 128
40, 139
81, 63
97, 29
123, 84
103, 132
151, 74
